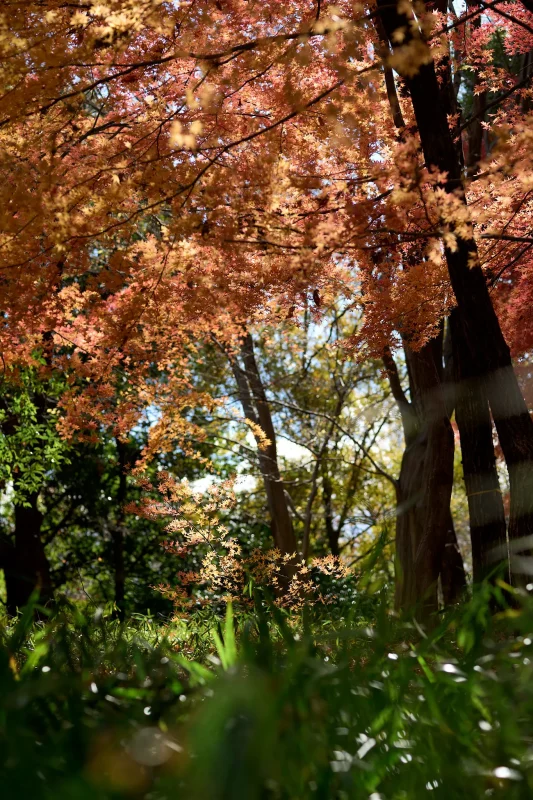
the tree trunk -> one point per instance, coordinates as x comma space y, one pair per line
409, 489
409, 523
488, 532
327, 497
452, 574
478, 331
424, 529
257, 410
488, 527
26, 566
438, 472
117, 534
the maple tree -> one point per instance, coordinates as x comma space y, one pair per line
176, 172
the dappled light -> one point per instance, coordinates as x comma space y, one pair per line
266, 394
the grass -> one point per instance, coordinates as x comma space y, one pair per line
268, 705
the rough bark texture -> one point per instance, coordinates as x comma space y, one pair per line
479, 334
437, 479
488, 527
409, 523
426, 545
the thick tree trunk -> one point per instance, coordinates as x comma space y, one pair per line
409, 490
485, 504
426, 545
409, 529
409, 523
26, 566
478, 331
424, 529
438, 472
488, 527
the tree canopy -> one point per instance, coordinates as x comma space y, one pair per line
181, 181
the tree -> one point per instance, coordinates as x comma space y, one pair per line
426, 543
481, 352
225, 160
256, 409
332, 411
31, 448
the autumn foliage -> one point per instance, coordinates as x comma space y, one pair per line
167, 175
174, 174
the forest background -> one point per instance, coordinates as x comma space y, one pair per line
265, 334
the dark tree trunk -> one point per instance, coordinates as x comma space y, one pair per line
256, 408
409, 523
479, 334
452, 574
488, 527
437, 478
485, 504
410, 486
409, 528
426, 546
327, 496
118, 534
26, 566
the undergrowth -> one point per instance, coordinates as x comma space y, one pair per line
270, 704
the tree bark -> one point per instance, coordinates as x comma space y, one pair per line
410, 485
256, 408
409, 523
438, 472
452, 574
426, 546
488, 529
